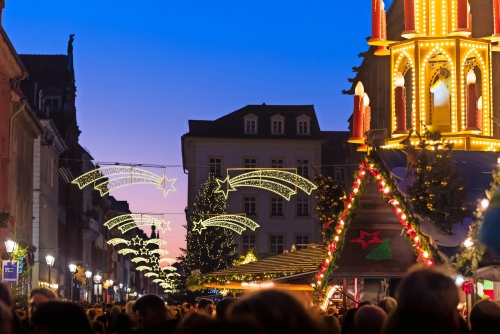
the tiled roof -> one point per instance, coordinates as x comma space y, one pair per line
303, 260
47, 70
232, 124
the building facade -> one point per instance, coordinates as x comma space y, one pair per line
261, 137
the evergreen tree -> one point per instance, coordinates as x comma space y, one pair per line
438, 192
329, 201
213, 248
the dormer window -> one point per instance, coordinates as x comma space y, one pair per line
278, 125
303, 125
251, 124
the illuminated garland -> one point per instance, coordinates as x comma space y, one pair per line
226, 221
142, 268
259, 179
150, 274
155, 241
159, 251
425, 253
131, 221
126, 251
117, 241
135, 176
139, 259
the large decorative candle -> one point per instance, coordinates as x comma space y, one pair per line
463, 15
400, 103
357, 116
471, 99
409, 16
496, 17
377, 19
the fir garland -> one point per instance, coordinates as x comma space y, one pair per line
468, 261
329, 202
373, 165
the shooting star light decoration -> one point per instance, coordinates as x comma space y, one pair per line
117, 241
236, 223
139, 259
128, 222
126, 251
134, 176
266, 179
141, 268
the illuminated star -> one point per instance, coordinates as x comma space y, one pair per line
137, 241
144, 250
361, 239
164, 226
162, 274
170, 187
156, 267
199, 226
224, 187
153, 259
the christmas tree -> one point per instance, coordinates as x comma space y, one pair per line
438, 193
382, 252
329, 201
213, 248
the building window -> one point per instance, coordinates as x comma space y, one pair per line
277, 206
251, 126
340, 174
276, 245
302, 206
250, 163
250, 203
277, 163
248, 242
303, 167
215, 166
278, 127
303, 127
301, 241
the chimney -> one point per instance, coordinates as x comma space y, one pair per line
2, 6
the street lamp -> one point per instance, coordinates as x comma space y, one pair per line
50, 262
72, 270
98, 286
88, 275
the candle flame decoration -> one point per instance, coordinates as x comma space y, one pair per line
400, 80
471, 77
366, 100
480, 103
360, 89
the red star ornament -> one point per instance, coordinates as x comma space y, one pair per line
374, 238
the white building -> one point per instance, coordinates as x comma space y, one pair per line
260, 136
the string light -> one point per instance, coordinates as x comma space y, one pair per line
259, 179
117, 241
226, 221
126, 251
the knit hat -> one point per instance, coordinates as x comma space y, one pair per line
485, 317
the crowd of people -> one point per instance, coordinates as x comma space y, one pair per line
426, 302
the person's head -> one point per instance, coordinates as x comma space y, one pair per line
222, 307
103, 319
275, 312
55, 317
348, 320
332, 325
114, 311
206, 306
98, 327
6, 319
194, 323
332, 310
369, 319
122, 304
485, 317
427, 295
195, 305
129, 310
366, 302
92, 314
189, 306
150, 311
39, 296
5, 295
120, 323
388, 304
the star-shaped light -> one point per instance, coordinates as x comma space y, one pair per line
168, 185
153, 259
374, 238
144, 250
224, 187
164, 226
137, 241
156, 267
198, 227
162, 274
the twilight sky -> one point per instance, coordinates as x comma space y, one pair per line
143, 68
